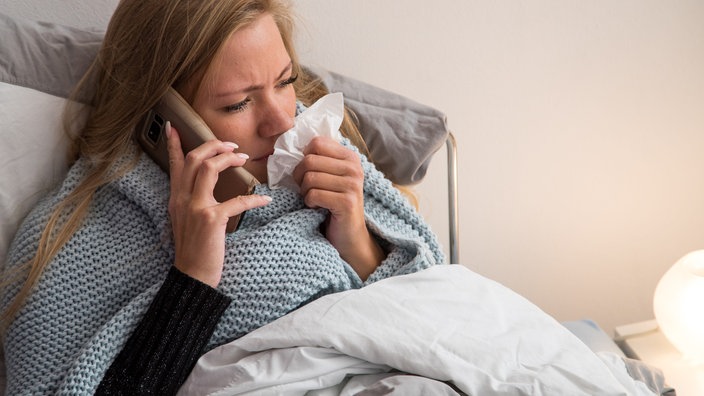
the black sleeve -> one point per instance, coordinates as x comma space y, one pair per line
169, 339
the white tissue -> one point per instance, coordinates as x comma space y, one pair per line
322, 118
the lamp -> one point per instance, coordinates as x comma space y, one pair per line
679, 306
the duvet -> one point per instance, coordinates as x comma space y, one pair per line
443, 331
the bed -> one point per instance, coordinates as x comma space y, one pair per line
447, 331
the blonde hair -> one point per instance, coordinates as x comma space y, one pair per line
149, 45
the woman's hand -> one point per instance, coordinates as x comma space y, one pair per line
199, 221
331, 176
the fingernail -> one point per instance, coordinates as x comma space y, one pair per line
232, 145
242, 155
267, 198
167, 128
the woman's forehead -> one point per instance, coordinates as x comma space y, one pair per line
253, 55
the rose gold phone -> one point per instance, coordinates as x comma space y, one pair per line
193, 132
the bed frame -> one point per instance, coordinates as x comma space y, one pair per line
452, 202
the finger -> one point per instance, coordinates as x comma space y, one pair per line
329, 182
210, 169
317, 163
207, 150
326, 146
173, 145
337, 203
337, 194
243, 203
195, 158
313, 163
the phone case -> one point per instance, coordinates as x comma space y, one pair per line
193, 131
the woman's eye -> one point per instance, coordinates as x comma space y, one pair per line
237, 107
288, 81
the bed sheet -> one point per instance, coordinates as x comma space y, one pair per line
459, 331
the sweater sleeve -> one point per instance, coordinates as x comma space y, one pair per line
160, 353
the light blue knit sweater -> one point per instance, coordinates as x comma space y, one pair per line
96, 289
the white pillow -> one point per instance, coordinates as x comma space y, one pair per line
32, 154
39, 63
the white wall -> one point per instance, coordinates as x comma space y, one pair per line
580, 126
579, 123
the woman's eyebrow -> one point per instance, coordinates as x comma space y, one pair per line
256, 87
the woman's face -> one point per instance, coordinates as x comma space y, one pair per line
246, 95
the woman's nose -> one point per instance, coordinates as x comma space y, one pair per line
276, 118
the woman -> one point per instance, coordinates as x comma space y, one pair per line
124, 276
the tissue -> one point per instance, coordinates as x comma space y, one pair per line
322, 118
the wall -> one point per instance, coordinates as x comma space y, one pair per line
580, 128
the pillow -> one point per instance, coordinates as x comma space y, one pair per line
40, 63
402, 135
47, 57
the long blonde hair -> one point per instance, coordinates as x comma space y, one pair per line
149, 45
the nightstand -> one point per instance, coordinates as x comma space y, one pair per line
645, 342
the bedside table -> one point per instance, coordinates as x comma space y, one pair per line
645, 342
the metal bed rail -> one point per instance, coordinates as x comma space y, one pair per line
453, 220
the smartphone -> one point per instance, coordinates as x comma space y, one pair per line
193, 131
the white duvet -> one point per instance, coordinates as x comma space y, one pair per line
442, 331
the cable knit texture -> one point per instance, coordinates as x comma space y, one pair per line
99, 285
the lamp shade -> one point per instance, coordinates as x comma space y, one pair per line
678, 305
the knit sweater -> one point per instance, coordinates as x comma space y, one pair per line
94, 292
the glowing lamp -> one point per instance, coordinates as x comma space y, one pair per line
679, 306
